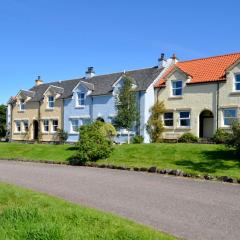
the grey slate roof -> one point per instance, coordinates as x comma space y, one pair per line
100, 84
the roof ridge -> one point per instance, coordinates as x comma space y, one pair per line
99, 75
216, 56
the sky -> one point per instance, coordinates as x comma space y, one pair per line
59, 39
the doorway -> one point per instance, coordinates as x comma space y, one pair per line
206, 126
35, 129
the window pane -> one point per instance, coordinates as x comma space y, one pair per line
229, 121
184, 114
168, 115
230, 113
238, 86
168, 123
185, 122
177, 92
237, 78
178, 84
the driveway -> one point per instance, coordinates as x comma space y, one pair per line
191, 209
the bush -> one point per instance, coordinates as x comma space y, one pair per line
188, 138
108, 130
93, 145
234, 139
221, 136
154, 125
137, 139
62, 135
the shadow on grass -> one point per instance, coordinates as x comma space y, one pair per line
73, 148
213, 161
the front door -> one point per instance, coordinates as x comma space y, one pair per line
35, 130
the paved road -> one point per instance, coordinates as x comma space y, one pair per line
183, 207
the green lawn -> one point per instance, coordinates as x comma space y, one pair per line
28, 215
216, 160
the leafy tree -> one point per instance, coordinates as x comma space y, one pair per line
108, 130
92, 145
127, 113
234, 139
3, 110
155, 126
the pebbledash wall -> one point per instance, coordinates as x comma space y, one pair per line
212, 97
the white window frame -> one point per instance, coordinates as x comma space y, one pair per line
72, 125
176, 88
168, 119
51, 102
18, 126
184, 118
81, 98
236, 82
227, 109
55, 125
22, 105
24, 126
45, 125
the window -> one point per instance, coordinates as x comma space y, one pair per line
168, 119
74, 125
45, 125
22, 105
50, 102
25, 126
177, 88
237, 82
229, 115
18, 126
54, 125
81, 98
184, 120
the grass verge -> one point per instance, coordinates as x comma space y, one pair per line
29, 215
202, 159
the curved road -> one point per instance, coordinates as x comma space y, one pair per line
191, 209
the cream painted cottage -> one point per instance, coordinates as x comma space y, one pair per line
200, 95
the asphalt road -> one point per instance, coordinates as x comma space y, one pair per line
187, 208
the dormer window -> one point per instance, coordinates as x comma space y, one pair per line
177, 88
237, 82
50, 102
80, 98
22, 105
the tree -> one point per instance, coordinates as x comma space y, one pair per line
3, 110
127, 113
234, 139
155, 126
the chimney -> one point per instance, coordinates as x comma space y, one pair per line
38, 81
90, 72
162, 61
174, 58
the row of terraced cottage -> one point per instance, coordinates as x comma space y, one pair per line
200, 96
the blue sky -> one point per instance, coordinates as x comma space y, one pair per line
59, 39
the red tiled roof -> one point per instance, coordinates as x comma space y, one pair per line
205, 69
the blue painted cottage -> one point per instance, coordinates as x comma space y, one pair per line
93, 97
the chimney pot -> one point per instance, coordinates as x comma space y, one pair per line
38, 81
162, 61
90, 72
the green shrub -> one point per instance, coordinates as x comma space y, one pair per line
108, 130
234, 139
137, 139
188, 138
221, 136
92, 145
62, 135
